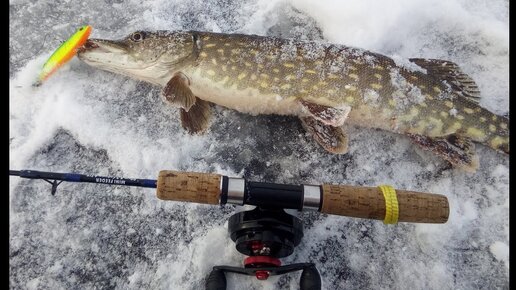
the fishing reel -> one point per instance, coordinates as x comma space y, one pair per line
267, 233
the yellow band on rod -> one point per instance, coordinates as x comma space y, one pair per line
391, 204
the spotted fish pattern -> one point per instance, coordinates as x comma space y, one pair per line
431, 101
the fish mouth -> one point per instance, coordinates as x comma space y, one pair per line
101, 46
115, 56
107, 54
88, 45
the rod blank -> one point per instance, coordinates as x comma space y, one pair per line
73, 177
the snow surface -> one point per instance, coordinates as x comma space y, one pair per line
89, 121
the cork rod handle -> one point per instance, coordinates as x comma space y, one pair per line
369, 202
189, 186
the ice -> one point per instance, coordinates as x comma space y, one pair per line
371, 97
406, 93
88, 121
406, 64
500, 251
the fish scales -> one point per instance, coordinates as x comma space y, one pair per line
335, 75
333, 83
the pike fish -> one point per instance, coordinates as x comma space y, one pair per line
430, 101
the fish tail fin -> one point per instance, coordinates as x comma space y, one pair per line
499, 139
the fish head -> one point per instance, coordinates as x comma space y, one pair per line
148, 56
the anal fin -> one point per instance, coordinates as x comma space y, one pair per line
197, 119
332, 139
328, 115
459, 151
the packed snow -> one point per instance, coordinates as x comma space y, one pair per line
89, 121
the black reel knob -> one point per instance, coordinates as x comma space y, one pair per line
310, 279
216, 280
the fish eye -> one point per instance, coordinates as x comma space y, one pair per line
137, 36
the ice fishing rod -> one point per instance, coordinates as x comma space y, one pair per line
267, 233
380, 203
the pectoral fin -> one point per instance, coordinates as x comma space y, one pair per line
328, 115
333, 139
459, 151
197, 119
178, 93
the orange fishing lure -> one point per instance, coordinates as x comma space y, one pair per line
64, 53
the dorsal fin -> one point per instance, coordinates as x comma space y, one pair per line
450, 72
